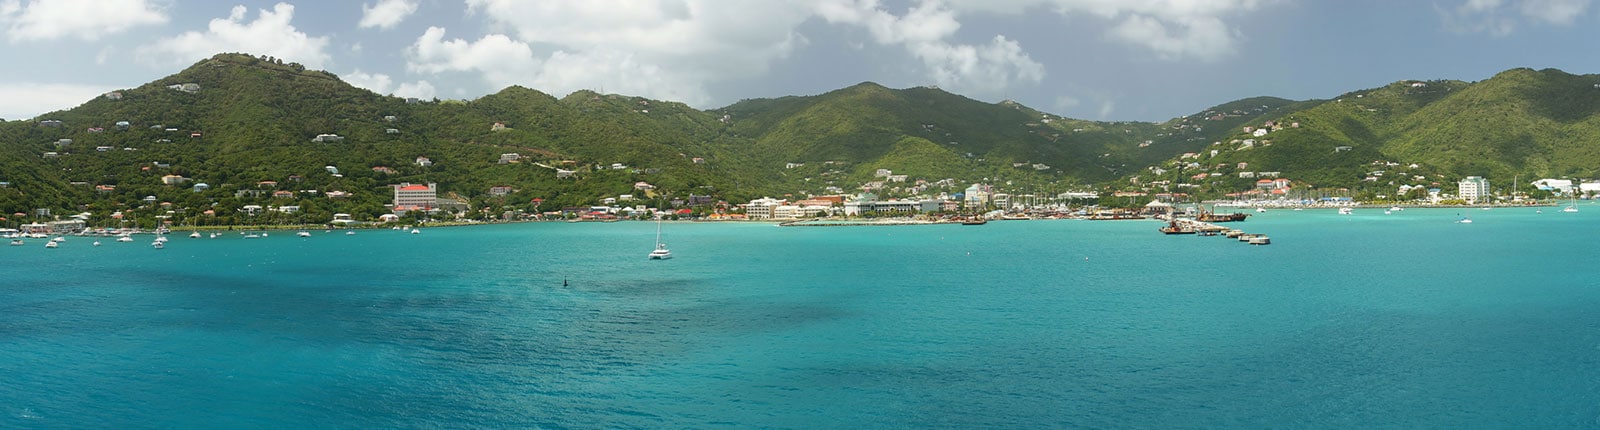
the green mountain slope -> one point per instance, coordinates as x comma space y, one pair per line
1519, 123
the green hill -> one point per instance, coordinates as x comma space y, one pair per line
1519, 123
247, 127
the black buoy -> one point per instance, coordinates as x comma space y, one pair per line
563, 282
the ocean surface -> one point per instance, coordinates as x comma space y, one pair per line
1406, 320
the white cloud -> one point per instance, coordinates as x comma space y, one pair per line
673, 48
376, 82
87, 20
501, 61
982, 69
1559, 12
383, 84
418, 89
387, 13
1502, 17
661, 49
28, 100
1204, 38
271, 33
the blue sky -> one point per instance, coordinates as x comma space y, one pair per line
1146, 60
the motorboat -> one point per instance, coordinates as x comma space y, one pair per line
124, 238
17, 242
415, 231
303, 234
52, 244
158, 245
350, 233
1346, 211
194, 235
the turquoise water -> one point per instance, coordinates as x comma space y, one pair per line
1368, 320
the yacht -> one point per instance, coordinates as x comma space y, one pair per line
415, 231
96, 243
158, 245
303, 234
124, 238
52, 244
194, 235
661, 252
17, 242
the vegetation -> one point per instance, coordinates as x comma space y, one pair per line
246, 127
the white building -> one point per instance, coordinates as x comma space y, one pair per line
409, 197
1474, 189
761, 208
1558, 185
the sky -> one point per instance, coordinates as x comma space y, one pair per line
1110, 60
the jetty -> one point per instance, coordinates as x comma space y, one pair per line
1201, 228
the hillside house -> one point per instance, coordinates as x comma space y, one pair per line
283, 194
50, 123
643, 186
327, 138
510, 158
202, 186
500, 191
424, 161
114, 95
564, 174
173, 180
384, 170
123, 125
498, 126
391, 131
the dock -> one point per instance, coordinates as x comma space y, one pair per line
1201, 228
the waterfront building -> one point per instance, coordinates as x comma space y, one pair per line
1473, 189
408, 197
761, 208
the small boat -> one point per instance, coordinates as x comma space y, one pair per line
303, 234
1261, 210
350, 233
1346, 211
96, 243
17, 242
124, 239
158, 245
975, 221
415, 231
1396, 208
1465, 220
252, 236
194, 235
1260, 239
161, 239
58, 239
52, 244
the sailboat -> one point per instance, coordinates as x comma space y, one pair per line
661, 252
1574, 207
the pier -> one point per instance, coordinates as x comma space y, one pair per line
1201, 228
